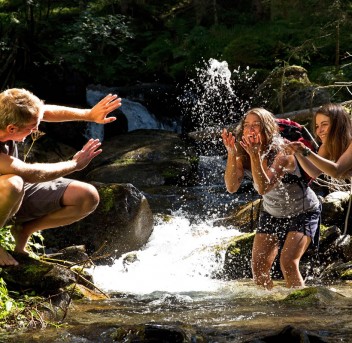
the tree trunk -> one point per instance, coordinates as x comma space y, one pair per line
337, 48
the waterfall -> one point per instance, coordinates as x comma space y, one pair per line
137, 115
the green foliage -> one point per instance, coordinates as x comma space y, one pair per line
92, 44
113, 42
20, 312
6, 303
6, 239
35, 243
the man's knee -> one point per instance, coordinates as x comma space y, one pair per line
11, 187
83, 195
92, 197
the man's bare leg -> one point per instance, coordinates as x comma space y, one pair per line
79, 200
11, 195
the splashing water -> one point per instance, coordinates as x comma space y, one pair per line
179, 257
215, 97
182, 256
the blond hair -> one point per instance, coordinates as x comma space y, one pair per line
269, 126
19, 107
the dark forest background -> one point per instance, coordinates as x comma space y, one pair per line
55, 48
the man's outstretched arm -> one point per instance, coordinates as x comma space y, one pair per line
97, 114
41, 172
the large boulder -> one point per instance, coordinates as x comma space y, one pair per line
143, 158
335, 209
122, 222
289, 89
244, 217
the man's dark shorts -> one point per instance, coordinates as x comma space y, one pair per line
308, 223
41, 199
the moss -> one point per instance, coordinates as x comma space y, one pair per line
37, 268
347, 274
323, 229
170, 173
166, 218
245, 237
313, 296
125, 162
240, 243
107, 199
234, 250
302, 294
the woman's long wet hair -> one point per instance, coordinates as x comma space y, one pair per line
269, 130
340, 134
269, 126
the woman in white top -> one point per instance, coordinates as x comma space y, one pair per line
289, 219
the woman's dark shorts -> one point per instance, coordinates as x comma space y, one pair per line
308, 223
41, 199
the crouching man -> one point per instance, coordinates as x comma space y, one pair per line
37, 196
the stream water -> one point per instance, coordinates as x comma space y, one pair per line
168, 289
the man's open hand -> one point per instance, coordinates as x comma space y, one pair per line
99, 112
88, 152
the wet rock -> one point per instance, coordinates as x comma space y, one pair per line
290, 334
238, 258
334, 248
35, 274
245, 217
129, 259
154, 332
122, 222
337, 270
143, 158
57, 284
334, 209
79, 291
313, 296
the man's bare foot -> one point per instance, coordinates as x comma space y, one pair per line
6, 259
21, 239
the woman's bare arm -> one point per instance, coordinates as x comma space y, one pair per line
234, 168
335, 169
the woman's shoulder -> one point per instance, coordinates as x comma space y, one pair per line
322, 151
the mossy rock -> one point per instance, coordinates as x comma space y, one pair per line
143, 158
244, 217
238, 257
313, 296
40, 276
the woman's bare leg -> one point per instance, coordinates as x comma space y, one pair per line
295, 246
264, 251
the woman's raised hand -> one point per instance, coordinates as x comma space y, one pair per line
251, 144
229, 141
